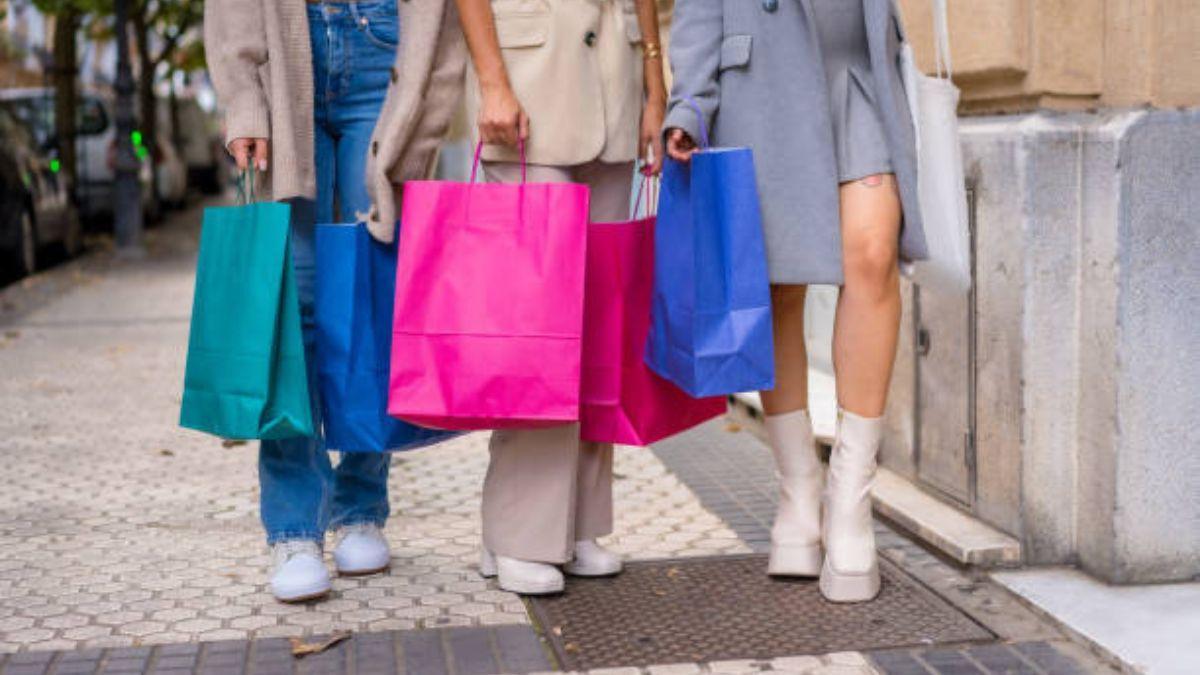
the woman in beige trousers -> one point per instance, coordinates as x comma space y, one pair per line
578, 83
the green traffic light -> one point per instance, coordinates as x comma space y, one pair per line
55, 166
142, 151
136, 137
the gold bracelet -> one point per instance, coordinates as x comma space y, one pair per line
651, 50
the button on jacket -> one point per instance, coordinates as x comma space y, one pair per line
569, 62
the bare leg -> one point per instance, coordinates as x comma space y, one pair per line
791, 357
868, 310
864, 347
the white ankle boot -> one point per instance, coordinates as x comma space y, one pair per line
593, 560
521, 576
796, 535
851, 571
298, 573
361, 549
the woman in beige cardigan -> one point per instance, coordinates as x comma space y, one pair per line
580, 83
327, 100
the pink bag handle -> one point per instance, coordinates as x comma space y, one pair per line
479, 157
651, 196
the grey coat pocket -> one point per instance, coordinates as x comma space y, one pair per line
735, 51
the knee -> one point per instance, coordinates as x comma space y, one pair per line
871, 266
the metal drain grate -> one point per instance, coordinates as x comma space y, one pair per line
715, 609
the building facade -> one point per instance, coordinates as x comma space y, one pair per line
1054, 403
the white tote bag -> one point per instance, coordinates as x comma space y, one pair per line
941, 181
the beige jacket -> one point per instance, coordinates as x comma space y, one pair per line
261, 66
576, 68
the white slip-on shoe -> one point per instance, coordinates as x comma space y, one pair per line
297, 572
851, 570
593, 560
361, 549
521, 576
796, 534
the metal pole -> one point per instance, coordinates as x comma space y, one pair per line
127, 202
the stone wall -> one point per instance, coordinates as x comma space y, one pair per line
1018, 55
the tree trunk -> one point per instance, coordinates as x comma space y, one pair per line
147, 103
66, 93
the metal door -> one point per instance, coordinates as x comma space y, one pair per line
945, 386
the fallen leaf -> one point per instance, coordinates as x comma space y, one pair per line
733, 427
673, 572
231, 443
166, 453
300, 648
571, 647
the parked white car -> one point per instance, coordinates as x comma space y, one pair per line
198, 143
95, 145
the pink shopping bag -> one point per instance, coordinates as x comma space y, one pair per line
622, 400
489, 304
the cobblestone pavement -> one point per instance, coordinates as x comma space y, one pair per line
130, 545
117, 528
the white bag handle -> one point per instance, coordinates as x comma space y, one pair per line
941, 40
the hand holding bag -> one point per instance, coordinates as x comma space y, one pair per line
622, 400
711, 330
489, 304
246, 376
355, 292
941, 182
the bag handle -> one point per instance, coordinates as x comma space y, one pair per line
648, 185
704, 144
245, 185
479, 157
941, 39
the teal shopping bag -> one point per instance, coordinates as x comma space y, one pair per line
246, 375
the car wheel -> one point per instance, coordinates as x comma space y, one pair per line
27, 247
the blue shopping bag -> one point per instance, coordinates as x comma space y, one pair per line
355, 292
246, 376
710, 328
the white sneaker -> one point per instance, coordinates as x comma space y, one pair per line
361, 549
297, 572
593, 560
521, 576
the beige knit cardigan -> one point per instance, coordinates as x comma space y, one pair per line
260, 62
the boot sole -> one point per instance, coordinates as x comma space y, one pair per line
846, 588
795, 561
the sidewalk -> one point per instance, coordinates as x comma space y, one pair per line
130, 545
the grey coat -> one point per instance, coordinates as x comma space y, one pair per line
758, 78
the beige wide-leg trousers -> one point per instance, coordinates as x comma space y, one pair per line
545, 489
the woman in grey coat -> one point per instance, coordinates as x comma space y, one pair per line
813, 88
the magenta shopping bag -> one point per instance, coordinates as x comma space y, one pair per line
622, 400
489, 304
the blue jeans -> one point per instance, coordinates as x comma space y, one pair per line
353, 48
